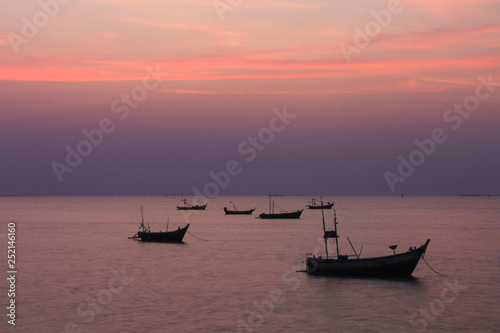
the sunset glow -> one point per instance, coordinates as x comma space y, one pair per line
336, 65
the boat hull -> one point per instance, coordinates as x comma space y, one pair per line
175, 236
192, 207
238, 212
328, 206
397, 266
290, 215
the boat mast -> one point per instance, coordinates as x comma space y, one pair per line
324, 229
142, 218
336, 235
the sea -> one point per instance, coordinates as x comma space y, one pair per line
76, 270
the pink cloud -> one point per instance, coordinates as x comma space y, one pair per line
442, 38
401, 75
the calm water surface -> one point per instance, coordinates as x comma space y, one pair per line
78, 272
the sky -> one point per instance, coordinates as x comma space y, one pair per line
239, 97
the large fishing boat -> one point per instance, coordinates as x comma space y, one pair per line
392, 266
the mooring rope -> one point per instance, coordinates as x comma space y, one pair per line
281, 209
432, 269
206, 240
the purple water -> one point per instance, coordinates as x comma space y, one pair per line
79, 272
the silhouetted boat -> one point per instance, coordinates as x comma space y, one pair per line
393, 266
145, 234
322, 206
282, 215
195, 207
238, 212
285, 215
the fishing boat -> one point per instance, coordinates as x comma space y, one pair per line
281, 215
145, 234
328, 205
399, 265
238, 212
192, 207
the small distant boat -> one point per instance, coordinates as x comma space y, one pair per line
282, 215
328, 205
238, 212
392, 266
189, 207
145, 234
285, 215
